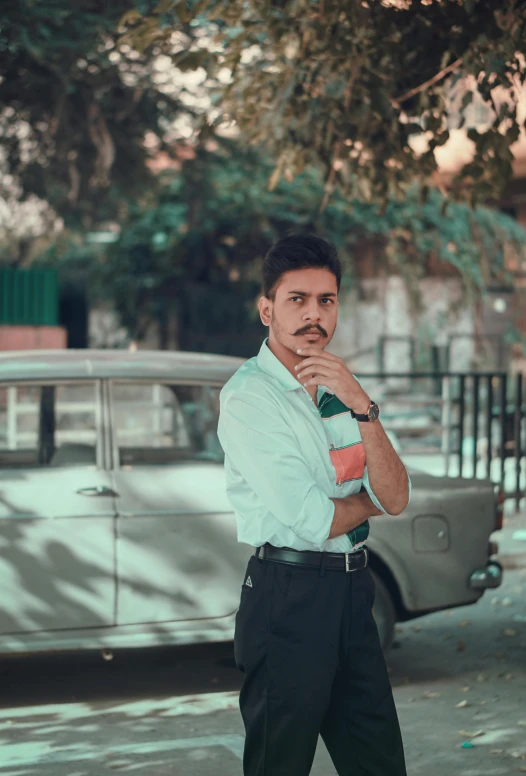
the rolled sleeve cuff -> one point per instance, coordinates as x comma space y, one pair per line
315, 519
373, 497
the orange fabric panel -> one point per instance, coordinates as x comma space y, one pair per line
349, 462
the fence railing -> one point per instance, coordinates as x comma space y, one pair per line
458, 424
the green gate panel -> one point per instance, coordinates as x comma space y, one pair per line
28, 297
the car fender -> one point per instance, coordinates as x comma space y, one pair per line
386, 553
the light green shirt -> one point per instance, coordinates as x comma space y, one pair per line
285, 458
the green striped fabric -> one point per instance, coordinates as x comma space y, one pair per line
329, 406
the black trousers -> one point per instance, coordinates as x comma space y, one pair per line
313, 665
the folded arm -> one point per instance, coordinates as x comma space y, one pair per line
264, 449
386, 478
352, 511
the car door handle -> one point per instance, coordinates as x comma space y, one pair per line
97, 490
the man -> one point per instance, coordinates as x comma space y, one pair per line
307, 463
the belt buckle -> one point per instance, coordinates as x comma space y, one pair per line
347, 560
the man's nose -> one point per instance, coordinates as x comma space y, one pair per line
313, 313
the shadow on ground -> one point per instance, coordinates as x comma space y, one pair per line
488, 636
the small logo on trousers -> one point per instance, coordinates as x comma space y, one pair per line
248, 583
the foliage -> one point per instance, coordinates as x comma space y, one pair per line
419, 237
75, 112
213, 222
349, 83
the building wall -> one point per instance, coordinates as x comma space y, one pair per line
105, 331
32, 337
382, 308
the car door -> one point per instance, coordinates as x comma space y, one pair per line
177, 552
57, 510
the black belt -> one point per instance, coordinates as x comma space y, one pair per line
334, 561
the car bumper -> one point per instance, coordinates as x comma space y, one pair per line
488, 577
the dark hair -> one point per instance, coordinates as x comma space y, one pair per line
298, 251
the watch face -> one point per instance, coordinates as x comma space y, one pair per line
374, 412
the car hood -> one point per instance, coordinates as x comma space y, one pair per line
429, 482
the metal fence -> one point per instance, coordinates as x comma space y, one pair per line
458, 424
28, 297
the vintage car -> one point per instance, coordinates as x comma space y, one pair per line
115, 529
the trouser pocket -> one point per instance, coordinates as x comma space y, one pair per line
279, 581
247, 616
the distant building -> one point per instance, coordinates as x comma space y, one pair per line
376, 329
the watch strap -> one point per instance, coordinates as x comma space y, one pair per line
362, 418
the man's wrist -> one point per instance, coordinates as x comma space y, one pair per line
361, 407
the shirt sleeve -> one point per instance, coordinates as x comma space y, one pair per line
367, 486
264, 449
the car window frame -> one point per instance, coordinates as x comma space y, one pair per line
101, 425
111, 382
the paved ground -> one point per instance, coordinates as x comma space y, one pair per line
459, 677
512, 539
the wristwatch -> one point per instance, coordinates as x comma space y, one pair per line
373, 413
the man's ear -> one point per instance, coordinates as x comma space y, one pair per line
265, 310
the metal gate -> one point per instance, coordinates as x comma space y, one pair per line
458, 424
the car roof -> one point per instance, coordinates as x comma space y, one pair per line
68, 364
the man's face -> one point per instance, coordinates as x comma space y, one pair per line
305, 309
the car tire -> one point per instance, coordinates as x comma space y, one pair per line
384, 613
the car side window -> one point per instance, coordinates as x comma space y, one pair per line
49, 425
161, 423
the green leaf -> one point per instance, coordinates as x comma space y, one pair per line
335, 89
130, 17
191, 60
167, 20
442, 138
143, 6
380, 102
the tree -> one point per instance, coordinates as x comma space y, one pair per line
75, 111
349, 83
195, 251
346, 84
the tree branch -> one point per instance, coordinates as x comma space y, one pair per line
330, 180
74, 178
350, 83
103, 142
396, 101
329, 185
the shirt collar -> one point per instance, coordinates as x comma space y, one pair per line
267, 361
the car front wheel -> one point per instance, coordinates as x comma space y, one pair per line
384, 613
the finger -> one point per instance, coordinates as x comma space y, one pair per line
322, 370
310, 351
316, 361
324, 374
319, 358
319, 380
